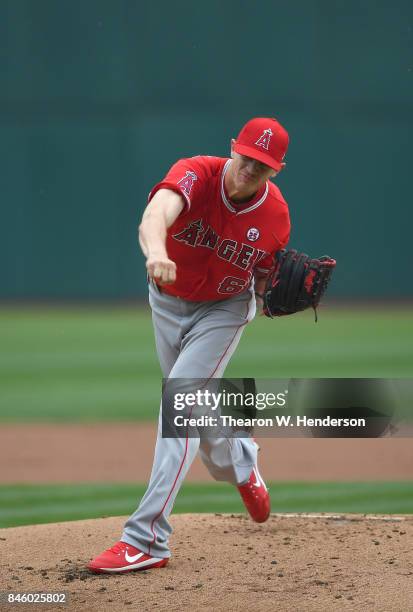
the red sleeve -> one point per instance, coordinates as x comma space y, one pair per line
264, 266
186, 177
281, 234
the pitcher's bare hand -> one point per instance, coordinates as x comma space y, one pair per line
161, 269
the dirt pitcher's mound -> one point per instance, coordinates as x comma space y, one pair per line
223, 562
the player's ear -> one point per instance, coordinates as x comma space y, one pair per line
233, 141
283, 164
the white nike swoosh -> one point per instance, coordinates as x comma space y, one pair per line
257, 482
133, 558
142, 564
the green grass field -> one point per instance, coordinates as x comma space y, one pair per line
95, 364
99, 364
30, 504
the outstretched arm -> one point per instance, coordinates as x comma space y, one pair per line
159, 215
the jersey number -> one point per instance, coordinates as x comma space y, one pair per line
232, 284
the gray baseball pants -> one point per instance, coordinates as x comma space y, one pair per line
193, 340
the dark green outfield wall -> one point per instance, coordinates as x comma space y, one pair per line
99, 97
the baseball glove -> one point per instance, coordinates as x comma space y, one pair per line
296, 283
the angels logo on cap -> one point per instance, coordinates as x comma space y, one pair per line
264, 140
253, 234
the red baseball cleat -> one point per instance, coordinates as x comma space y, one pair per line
123, 557
256, 498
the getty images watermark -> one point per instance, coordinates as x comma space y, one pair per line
281, 407
260, 401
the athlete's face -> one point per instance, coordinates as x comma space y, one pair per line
249, 174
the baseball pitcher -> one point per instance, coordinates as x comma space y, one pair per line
210, 233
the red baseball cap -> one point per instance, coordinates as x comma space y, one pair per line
263, 139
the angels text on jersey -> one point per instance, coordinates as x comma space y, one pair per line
241, 255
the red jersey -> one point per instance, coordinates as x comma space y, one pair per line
217, 245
